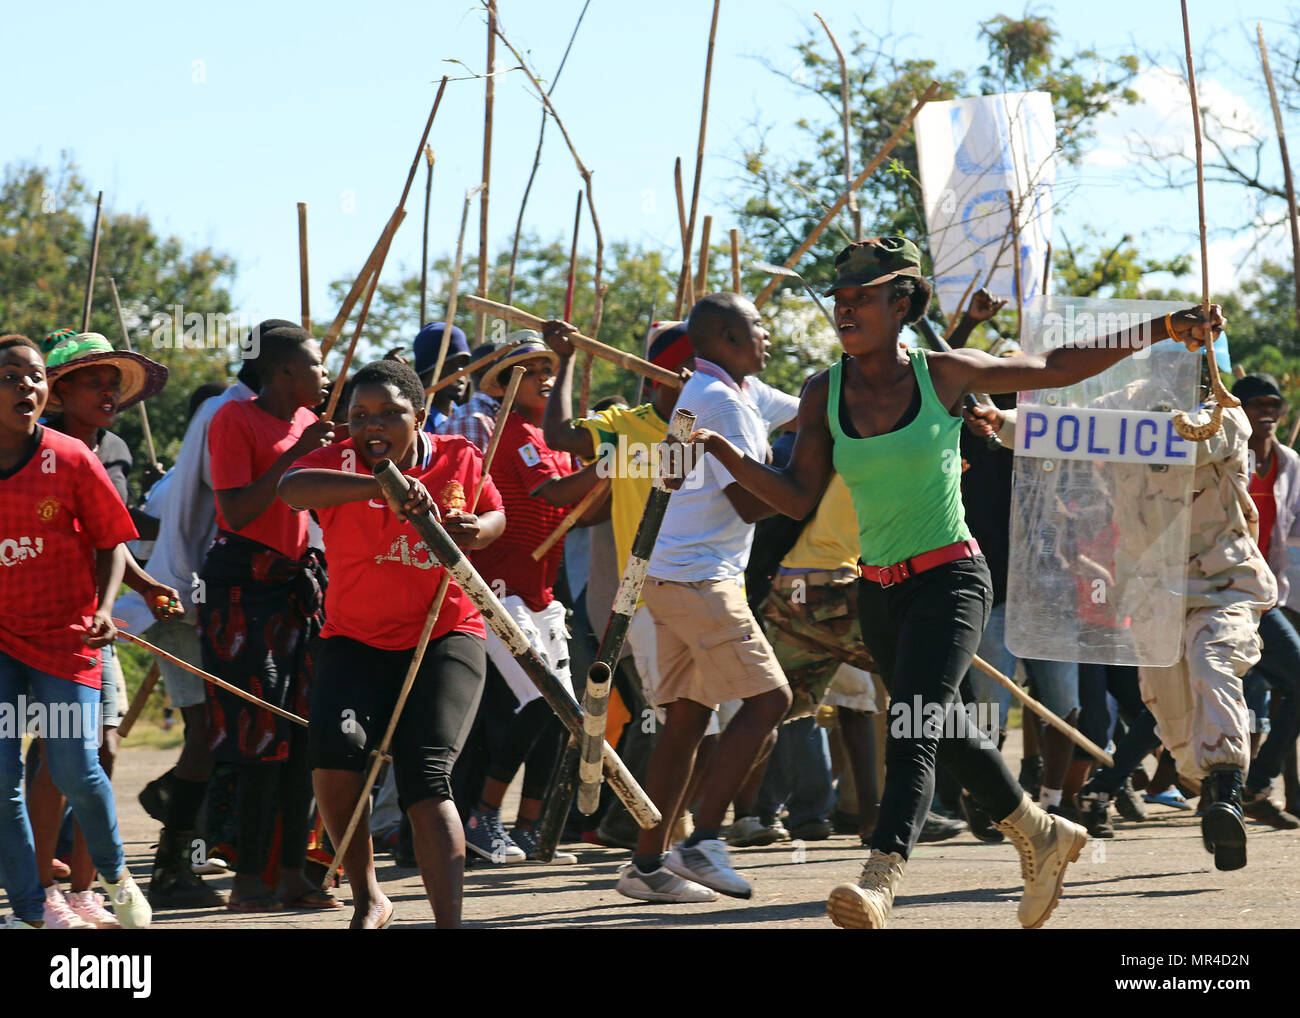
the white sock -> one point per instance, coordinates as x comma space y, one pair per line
1049, 797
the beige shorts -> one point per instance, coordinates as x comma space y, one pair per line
709, 647
641, 638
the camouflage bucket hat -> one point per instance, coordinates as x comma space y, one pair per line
878, 260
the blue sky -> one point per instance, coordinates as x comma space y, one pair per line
215, 120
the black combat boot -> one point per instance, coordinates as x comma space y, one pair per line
173, 883
1222, 826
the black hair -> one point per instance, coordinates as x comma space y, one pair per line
14, 339
401, 377
248, 373
279, 346
477, 354
711, 315
607, 402
917, 292
203, 393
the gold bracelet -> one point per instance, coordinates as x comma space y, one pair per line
1169, 327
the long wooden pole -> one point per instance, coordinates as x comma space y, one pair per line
417, 657
449, 319
615, 356
126, 336
1286, 168
854, 213
424, 242
138, 701
842, 200
684, 280
702, 273
471, 367
1015, 264
304, 290
572, 279
686, 294
735, 261
94, 262
598, 492
489, 99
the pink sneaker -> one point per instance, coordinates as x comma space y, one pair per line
58, 914
89, 907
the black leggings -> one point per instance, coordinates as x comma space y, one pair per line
354, 694
533, 735
923, 633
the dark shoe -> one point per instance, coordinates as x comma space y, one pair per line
1138, 779
156, 796
938, 828
1031, 775
1259, 807
1094, 814
1222, 827
173, 884
844, 823
811, 830
1129, 804
979, 821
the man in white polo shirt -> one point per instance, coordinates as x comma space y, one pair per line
710, 648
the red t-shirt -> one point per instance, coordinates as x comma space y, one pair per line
54, 512
383, 578
1261, 490
243, 442
523, 464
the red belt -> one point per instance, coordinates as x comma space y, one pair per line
887, 576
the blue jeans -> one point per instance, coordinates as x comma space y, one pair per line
71, 735
1280, 666
798, 774
1056, 683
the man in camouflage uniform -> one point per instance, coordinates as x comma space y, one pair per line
1198, 702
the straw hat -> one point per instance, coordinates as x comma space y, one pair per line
141, 377
531, 346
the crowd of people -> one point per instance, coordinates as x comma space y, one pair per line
797, 588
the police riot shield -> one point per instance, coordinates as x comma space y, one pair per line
1101, 495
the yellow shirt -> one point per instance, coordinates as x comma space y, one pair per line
830, 540
630, 438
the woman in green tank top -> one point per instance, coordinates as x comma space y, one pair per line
885, 419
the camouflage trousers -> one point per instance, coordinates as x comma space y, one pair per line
814, 629
1198, 703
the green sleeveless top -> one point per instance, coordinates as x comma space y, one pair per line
906, 484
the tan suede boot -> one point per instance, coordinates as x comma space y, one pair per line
866, 905
1047, 844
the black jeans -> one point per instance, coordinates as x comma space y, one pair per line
923, 633
1280, 666
1121, 681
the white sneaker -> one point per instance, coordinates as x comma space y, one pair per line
128, 901
58, 914
89, 907
707, 863
661, 885
14, 923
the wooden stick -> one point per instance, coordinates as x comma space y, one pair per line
1065, 728
380, 250
685, 285
417, 657
471, 367
126, 336
956, 315
489, 97
573, 263
702, 273
1047, 269
620, 357
1015, 262
1286, 167
854, 212
94, 262
450, 317
424, 243
138, 701
1295, 432
735, 261
304, 291
599, 491
699, 160
342, 376
219, 683
842, 200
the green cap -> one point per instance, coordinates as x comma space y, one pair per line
877, 260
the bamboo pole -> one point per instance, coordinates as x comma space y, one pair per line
417, 657
840, 202
1286, 168
304, 291
449, 319
854, 213
735, 261
424, 243
684, 279
702, 273
138, 701
685, 294
615, 356
94, 262
598, 492
489, 97
144, 414
219, 683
